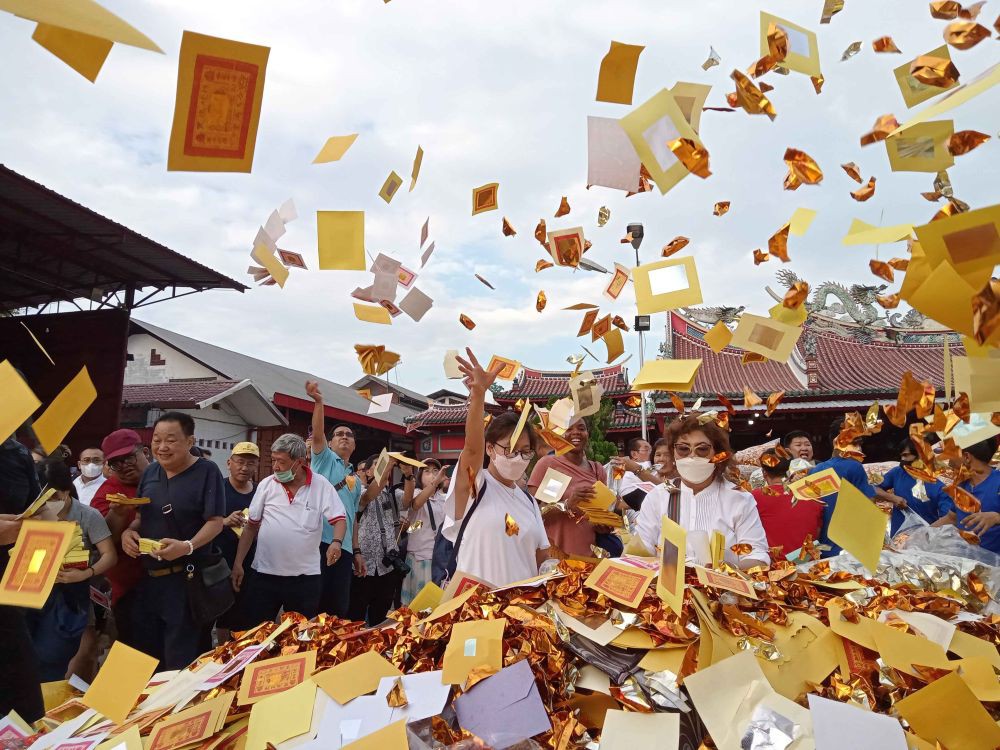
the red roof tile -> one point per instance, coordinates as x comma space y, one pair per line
845, 364
548, 384
445, 415
176, 394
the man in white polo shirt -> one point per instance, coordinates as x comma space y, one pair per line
286, 520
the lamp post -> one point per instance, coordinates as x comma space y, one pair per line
641, 325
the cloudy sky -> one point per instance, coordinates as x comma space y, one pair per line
494, 92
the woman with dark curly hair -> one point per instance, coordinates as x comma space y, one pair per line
703, 501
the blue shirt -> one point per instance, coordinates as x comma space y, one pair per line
988, 494
898, 480
328, 464
848, 470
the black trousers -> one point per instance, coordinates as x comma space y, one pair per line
20, 686
267, 594
162, 622
372, 597
336, 597
125, 616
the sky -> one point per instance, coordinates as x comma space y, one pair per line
493, 92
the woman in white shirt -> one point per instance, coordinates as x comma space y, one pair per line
706, 501
427, 509
493, 549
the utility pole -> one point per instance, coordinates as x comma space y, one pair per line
637, 232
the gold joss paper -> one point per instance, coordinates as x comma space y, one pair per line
777, 245
945, 9
817, 82
880, 130
750, 98
964, 141
507, 228
934, 71
864, 193
397, 696
721, 208
563, 207
852, 171
540, 301
965, 34
603, 216
852, 49
796, 295
885, 44
759, 256
693, 156
881, 269
751, 399
986, 312
887, 301
773, 400
466, 321
541, 265
675, 245
802, 167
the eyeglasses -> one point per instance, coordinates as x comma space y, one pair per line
97, 461
343, 434
120, 461
245, 461
701, 450
526, 454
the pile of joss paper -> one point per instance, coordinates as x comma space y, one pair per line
784, 657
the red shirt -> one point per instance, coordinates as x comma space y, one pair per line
127, 572
786, 526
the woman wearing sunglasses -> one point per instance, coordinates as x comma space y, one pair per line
706, 501
502, 536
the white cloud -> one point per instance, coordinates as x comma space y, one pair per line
493, 92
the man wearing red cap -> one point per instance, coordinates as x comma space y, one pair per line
126, 459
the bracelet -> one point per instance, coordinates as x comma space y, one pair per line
190, 545
92, 571
357, 552
338, 541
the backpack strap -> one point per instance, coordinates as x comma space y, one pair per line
453, 560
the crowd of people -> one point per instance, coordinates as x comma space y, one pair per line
208, 553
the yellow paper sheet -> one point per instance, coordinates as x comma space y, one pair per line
120, 682
335, 148
392, 737
617, 76
766, 336
266, 257
626, 584
404, 459
862, 233
473, 644
903, 651
979, 676
789, 316
980, 378
341, 240
634, 638
718, 337
672, 556
84, 53
690, 98
485, 198
427, 598
858, 526
915, 92
665, 659
127, 740
615, 344
193, 724
372, 314
666, 285
970, 242
220, 88
264, 678
801, 219
418, 160
948, 712
922, 148
18, 403
945, 296
958, 95
651, 127
281, 716
667, 375
627, 730
355, 677
34, 562
84, 16
809, 650
392, 183
969, 646
803, 50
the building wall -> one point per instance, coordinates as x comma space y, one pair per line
152, 361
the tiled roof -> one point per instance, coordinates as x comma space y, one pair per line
175, 394
445, 415
844, 366
624, 418
538, 384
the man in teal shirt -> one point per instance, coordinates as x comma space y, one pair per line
332, 461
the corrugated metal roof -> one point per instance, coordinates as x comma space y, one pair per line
53, 249
270, 378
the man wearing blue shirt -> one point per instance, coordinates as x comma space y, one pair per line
897, 487
984, 484
849, 470
332, 461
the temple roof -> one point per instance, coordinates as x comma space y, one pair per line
539, 384
445, 415
840, 365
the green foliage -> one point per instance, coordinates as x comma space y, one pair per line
601, 449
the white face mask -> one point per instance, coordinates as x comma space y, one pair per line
510, 469
694, 470
92, 471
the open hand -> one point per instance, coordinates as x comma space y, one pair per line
979, 523
477, 380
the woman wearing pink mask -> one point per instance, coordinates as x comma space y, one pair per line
487, 545
703, 501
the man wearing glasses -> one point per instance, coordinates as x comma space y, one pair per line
332, 461
126, 459
91, 465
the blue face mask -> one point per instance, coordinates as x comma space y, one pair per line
285, 477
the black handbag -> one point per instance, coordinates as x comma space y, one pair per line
207, 578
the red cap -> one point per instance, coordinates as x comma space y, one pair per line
120, 443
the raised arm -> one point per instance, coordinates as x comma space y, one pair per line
477, 380
426, 493
318, 426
